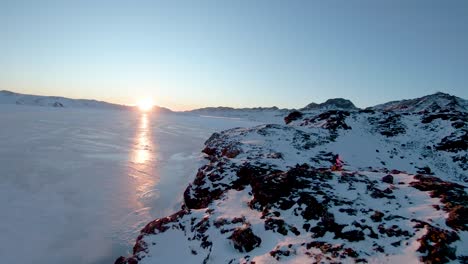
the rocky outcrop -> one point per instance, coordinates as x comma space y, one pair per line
335, 103
294, 115
244, 239
277, 193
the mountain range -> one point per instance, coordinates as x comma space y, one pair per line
430, 102
8, 97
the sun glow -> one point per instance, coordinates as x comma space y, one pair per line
145, 104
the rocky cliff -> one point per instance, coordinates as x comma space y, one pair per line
336, 186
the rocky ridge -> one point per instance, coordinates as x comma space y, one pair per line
381, 184
335, 103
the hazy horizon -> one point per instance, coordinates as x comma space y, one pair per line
136, 104
187, 55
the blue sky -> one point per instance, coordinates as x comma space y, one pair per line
187, 54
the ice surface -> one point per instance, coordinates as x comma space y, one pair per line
77, 185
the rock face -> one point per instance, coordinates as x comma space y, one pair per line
244, 239
336, 103
329, 187
294, 115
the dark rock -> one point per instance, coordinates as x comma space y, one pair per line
244, 240
57, 104
276, 225
220, 222
236, 220
388, 179
353, 235
335, 119
349, 211
123, 260
247, 174
393, 231
327, 224
209, 151
450, 194
159, 225
389, 126
276, 187
293, 116
198, 198
435, 245
454, 142
425, 170
314, 210
231, 152
377, 216
377, 193
458, 218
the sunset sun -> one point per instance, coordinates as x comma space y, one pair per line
145, 104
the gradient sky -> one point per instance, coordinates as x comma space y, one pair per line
187, 54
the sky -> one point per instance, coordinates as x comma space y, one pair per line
243, 53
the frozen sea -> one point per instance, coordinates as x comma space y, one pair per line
77, 185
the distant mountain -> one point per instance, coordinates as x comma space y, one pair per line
335, 103
272, 114
263, 114
433, 102
231, 109
8, 97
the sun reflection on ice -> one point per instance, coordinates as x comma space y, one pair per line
143, 163
143, 144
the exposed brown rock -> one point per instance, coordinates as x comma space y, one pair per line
244, 240
377, 216
388, 179
295, 115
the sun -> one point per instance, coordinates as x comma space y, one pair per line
145, 104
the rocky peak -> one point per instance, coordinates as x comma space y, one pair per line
430, 103
334, 103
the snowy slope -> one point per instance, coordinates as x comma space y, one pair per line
431, 102
259, 114
271, 115
331, 186
7, 97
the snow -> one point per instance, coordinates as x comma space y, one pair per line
368, 155
77, 185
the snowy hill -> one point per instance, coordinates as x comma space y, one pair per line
331, 186
273, 114
335, 103
261, 114
433, 102
7, 97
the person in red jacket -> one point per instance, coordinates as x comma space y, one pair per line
338, 166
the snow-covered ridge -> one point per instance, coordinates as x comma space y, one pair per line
433, 102
8, 97
335, 103
273, 114
331, 186
259, 114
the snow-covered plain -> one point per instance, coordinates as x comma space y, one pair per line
77, 185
